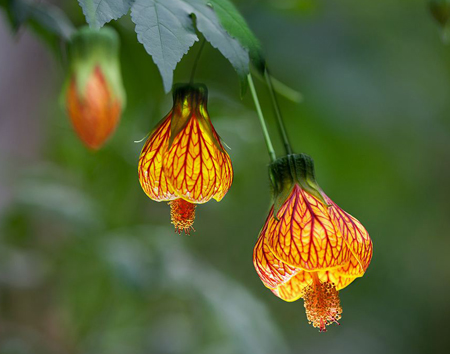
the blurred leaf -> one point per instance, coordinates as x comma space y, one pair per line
282, 89
47, 21
165, 29
43, 16
48, 190
99, 12
440, 9
7, 6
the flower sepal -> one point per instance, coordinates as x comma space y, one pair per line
191, 99
290, 170
90, 48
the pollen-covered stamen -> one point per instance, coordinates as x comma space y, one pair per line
322, 303
183, 215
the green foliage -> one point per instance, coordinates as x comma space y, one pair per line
48, 21
440, 9
166, 29
99, 12
236, 26
210, 26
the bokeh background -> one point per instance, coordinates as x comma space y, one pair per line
89, 264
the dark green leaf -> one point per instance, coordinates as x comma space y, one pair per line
165, 27
237, 27
209, 24
99, 12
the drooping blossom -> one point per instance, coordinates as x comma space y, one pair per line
94, 95
309, 247
183, 160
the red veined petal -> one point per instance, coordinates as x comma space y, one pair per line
191, 164
355, 235
151, 173
304, 236
271, 270
292, 289
226, 167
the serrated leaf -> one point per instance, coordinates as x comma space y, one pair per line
99, 12
166, 30
237, 27
211, 27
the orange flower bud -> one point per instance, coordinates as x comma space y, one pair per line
94, 95
183, 160
309, 247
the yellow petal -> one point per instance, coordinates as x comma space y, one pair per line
304, 236
151, 174
355, 235
271, 270
194, 165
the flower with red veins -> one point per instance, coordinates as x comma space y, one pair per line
183, 161
94, 96
309, 247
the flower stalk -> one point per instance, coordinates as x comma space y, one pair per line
262, 121
279, 118
197, 59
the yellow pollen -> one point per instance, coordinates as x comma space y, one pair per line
322, 303
183, 215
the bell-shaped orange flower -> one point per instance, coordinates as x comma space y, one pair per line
94, 96
309, 247
183, 161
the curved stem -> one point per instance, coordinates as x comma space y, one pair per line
276, 107
194, 68
262, 121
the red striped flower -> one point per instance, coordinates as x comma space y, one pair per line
309, 247
94, 95
183, 160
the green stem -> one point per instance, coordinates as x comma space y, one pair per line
194, 68
262, 121
276, 107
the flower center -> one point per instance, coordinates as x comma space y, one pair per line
183, 215
322, 303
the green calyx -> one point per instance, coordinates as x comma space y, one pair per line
89, 48
290, 170
191, 100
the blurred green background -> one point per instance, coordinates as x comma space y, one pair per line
89, 264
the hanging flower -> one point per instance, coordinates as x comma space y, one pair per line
309, 247
94, 96
183, 160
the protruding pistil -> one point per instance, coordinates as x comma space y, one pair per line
322, 303
183, 215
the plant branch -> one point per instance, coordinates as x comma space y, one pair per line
279, 118
262, 121
194, 68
